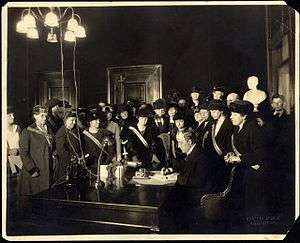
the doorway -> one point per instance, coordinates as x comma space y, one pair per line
142, 83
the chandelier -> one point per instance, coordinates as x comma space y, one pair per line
54, 20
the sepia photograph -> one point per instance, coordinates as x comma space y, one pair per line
149, 120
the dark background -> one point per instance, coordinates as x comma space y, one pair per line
199, 45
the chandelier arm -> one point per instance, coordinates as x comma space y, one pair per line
67, 10
78, 18
24, 10
34, 14
40, 12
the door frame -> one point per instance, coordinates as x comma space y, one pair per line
111, 85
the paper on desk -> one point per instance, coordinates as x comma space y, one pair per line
157, 179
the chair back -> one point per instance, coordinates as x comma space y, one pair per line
213, 206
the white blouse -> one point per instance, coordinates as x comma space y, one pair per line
13, 137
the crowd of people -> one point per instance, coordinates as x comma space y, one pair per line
202, 137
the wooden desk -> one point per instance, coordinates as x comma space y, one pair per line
134, 206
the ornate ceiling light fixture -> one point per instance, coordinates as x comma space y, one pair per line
53, 20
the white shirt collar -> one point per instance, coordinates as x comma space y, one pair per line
43, 129
191, 149
241, 125
219, 124
278, 112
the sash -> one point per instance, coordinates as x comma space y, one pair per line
45, 135
234, 148
70, 143
218, 150
95, 140
74, 135
204, 137
137, 133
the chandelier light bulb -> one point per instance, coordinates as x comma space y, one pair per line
29, 21
72, 24
32, 33
51, 19
70, 36
80, 32
52, 37
21, 27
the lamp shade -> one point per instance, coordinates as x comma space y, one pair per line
29, 21
70, 36
80, 32
51, 19
21, 27
52, 37
32, 33
72, 24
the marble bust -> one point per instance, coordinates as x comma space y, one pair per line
254, 95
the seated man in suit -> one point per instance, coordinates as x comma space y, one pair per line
195, 179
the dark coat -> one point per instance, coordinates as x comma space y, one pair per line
54, 123
36, 155
67, 147
201, 129
223, 139
136, 149
283, 141
90, 148
164, 128
196, 178
195, 171
249, 142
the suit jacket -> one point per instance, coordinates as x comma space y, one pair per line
160, 129
282, 142
195, 171
201, 129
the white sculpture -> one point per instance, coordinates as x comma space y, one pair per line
254, 95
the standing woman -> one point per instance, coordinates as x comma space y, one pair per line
67, 140
13, 137
93, 140
248, 151
36, 150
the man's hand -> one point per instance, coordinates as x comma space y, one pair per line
166, 171
227, 156
234, 159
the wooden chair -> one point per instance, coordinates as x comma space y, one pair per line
216, 206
